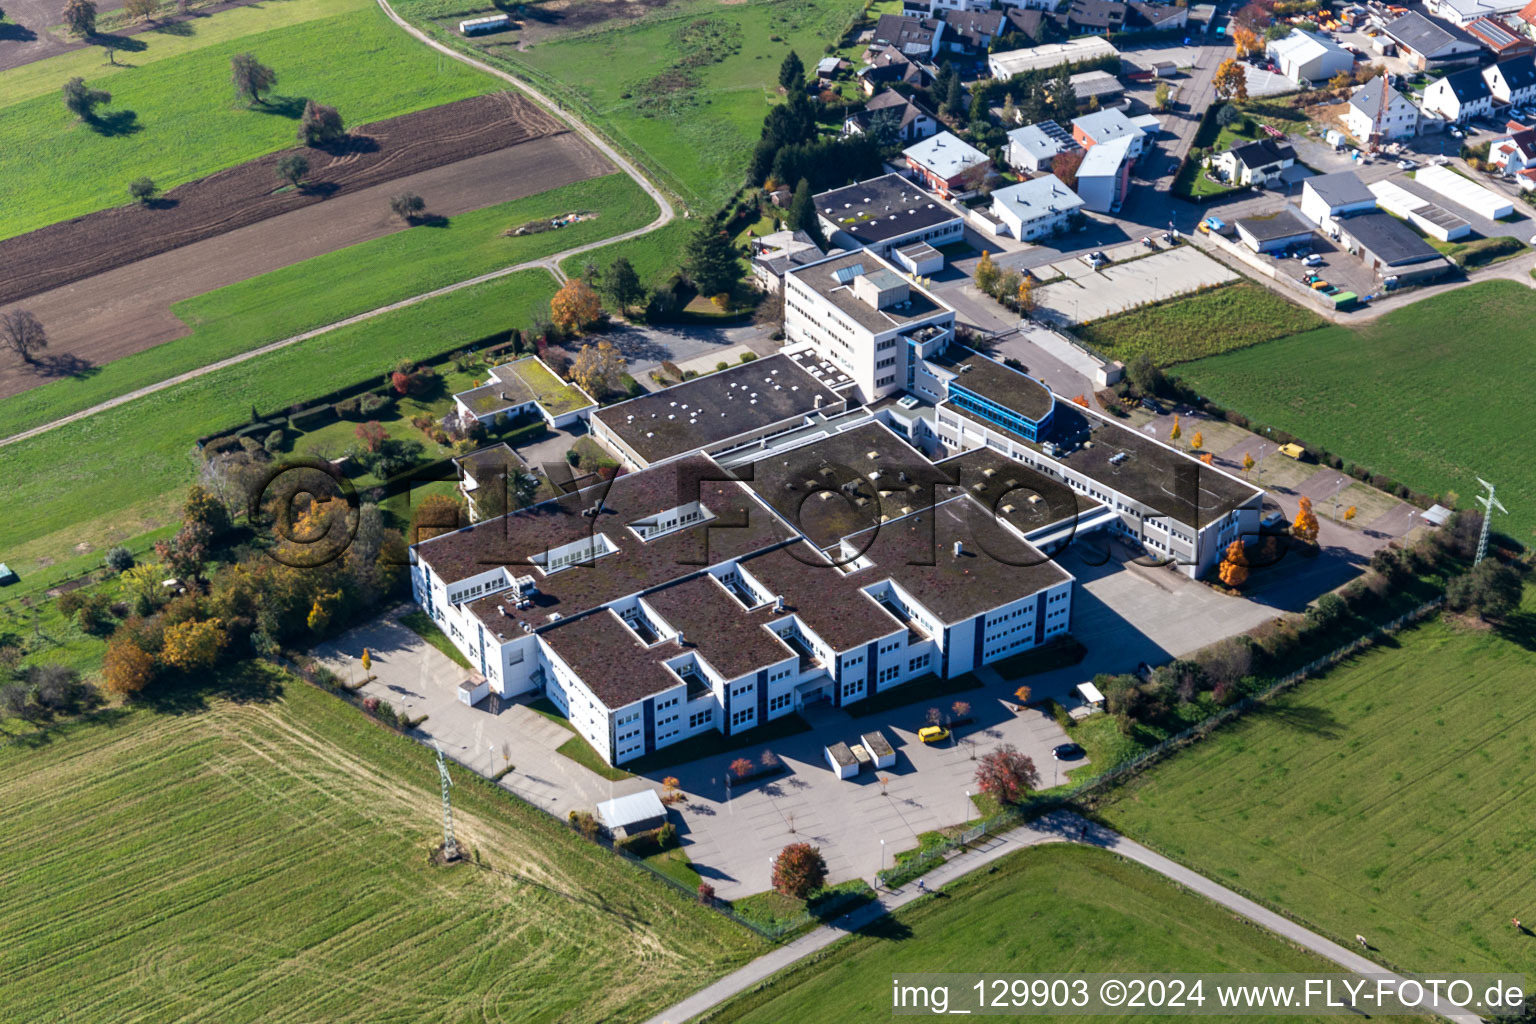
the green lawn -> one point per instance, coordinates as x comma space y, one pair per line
682, 90
76, 477
1423, 394
1387, 798
1051, 909
655, 256
340, 284
1479, 252
266, 860
186, 123
1229, 317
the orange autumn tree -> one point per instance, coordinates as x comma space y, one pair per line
1198, 441
1208, 459
1234, 565
1305, 526
1081, 400
575, 306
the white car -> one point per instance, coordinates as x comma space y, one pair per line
1406, 165
1457, 133
1312, 261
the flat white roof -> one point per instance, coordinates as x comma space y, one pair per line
945, 155
1037, 197
1465, 192
626, 810
1090, 693
1013, 62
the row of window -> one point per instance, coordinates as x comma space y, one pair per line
743, 717
780, 702
887, 674
919, 663
699, 718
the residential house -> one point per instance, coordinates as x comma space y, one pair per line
1515, 150
1104, 176
1462, 13
1328, 198
1030, 22
1426, 43
1309, 57
1499, 40
971, 32
1036, 208
1378, 113
914, 37
885, 213
1527, 17
1105, 126
1096, 17
775, 254
947, 165
1512, 81
1149, 17
1459, 96
1262, 162
886, 65
524, 388
1033, 147
911, 119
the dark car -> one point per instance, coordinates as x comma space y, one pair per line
1067, 752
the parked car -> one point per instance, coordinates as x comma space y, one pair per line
1312, 261
933, 734
1406, 165
1457, 133
1094, 259
1147, 403
1067, 752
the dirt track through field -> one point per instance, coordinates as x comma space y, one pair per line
128, 309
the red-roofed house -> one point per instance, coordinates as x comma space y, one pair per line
1515, 152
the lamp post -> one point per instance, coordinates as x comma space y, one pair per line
966, 816
882, 855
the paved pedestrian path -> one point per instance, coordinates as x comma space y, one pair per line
1062, 826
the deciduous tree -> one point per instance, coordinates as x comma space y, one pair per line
251, 78
1177, 431
407, 206
1350, 513
1161, 96
372, 434
126, 668
741, 767
23, 333
1248, 463
575, 307
1022, 694
1005, 774
1065, 166
185, 553
598, 369
1081, 400
799, 870
80, 17
1491, 590
1026, 294
1198, 441
82, 100
143, 190
622, 284
320, 124
192, 645
203, 508
141, 10
292, 168
987, 274
1245, 40
1234, 565
1305, 527
1230, 82
436, 514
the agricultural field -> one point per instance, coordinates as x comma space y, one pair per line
259, 852
1207, 323
1418, 395
329, 288
71, 479
1384, 798
1054, 908
177, 119
682, 89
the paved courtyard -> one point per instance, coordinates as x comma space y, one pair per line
1084, 297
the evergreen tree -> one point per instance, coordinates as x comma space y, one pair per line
802, 213
792, 73
710, 261
622, 284
954, 98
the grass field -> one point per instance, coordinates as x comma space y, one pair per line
74, 479
266, 860
655, 256
1051, 908
683, 90
1230, 317
1425, 395
1385, 799
329, 288
175, 120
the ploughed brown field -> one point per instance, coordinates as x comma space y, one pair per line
373, 154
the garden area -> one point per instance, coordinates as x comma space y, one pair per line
1210, 322
1398, 789
1410, 394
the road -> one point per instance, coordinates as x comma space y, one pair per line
1053, 828
549, 263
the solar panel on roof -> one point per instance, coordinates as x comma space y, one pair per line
845, 274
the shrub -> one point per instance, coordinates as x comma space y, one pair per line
706, 893
119, 559
799, 870
372, 403
741, 768
1005, 774
666, 836
585, 824
347, 408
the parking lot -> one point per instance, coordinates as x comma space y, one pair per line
1088, 295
